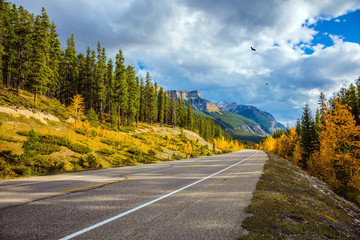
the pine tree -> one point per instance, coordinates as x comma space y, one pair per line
173, 110
167, 107
55, 61
161, 106
121, 87
308, 136
154, 104
100, 79
138, 100
23, 30
110, 84
132, 93
10, 43
181, 112
149, 100
322, 102
189, 114
40, 70
142, 101
69, 72
31, 147
2, 34
352, 100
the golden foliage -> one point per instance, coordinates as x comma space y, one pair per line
77, 108
228, 146
337, 161
188, 148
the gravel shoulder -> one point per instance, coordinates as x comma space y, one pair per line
290, 204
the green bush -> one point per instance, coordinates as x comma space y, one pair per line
9, 139
48, 148
141, 137
92, 117
23, 133
151, 153
79, 148
88, 161
56, 140
135, 151
119, 145
105, 151
56, 166
22, 170
6, 170
127, 129
176, 156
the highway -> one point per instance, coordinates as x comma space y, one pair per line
195, 198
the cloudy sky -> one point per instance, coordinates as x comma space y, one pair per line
303, 47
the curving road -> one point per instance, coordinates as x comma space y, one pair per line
199, 198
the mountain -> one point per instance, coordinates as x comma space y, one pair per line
264, 119
242, 122
197, 101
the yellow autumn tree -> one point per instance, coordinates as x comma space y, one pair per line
188, 148
286, 144
269, 144
77, 108
338, 160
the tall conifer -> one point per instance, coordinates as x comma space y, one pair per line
70, 72
308, 136
132, 93
121, 87
55, 61
161, 106
189, 113
40, 70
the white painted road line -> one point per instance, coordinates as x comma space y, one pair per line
148, 203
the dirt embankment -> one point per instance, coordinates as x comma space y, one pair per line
16, 111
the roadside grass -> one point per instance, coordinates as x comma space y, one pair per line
66, 147
289, 204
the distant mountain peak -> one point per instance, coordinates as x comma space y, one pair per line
239, 120
197, 101
266, 120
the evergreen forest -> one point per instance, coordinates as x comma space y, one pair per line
33, 59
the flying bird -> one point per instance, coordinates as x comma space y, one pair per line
267, 84
253, 49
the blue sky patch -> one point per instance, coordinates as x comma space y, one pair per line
141, 65
342, 26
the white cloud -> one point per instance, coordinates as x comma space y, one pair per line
205, 45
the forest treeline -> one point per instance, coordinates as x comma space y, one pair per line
31, 59
327, 145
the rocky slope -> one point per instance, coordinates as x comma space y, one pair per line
197, 101
264, 119
243, 122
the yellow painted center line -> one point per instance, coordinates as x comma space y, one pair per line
100, 184
193, 165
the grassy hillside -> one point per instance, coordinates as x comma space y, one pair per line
238, 126
31, 144
289, 204
264, 119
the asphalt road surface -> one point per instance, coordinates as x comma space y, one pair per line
198, 198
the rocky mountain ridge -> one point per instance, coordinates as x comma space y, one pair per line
197, 101
265, 119
241, 121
